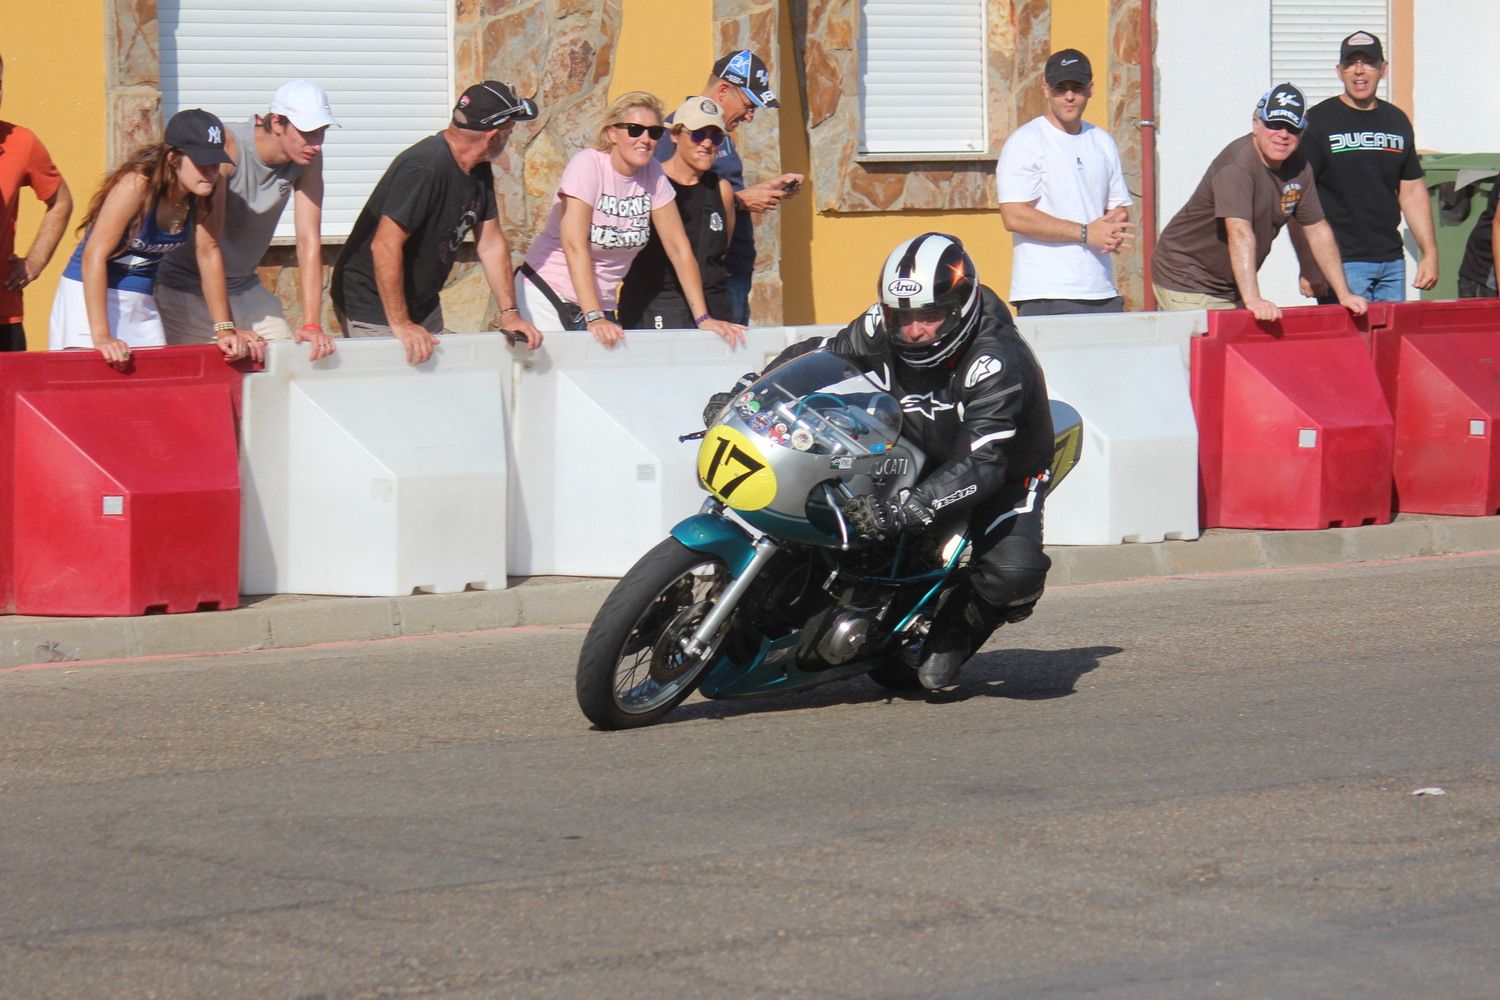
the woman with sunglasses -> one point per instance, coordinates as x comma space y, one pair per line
651, 298
609, 200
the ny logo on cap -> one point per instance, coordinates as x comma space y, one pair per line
215, 135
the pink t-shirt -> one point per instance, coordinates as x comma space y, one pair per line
621, 225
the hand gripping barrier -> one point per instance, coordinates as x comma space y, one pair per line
119, 493
367, 476
600, 476
1293, 430
1439, 365
1127, 375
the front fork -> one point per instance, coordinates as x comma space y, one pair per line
701, 640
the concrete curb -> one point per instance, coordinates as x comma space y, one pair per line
286, 621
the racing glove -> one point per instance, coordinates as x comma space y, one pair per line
719, 400
874, 518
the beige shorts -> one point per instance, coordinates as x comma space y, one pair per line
432, 323
184, 315
1168, 299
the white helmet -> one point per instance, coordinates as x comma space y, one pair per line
930, 274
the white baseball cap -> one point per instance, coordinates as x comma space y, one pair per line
305, 103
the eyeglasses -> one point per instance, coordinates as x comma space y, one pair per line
634, 129
1283, 127
713, 135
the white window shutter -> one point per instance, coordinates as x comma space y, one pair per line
922, 83
386, 65
1305, 36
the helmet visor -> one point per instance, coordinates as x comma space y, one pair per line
926, 325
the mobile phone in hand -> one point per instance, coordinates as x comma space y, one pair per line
790, 187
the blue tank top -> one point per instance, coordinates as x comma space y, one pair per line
133, 269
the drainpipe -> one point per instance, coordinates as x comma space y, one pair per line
1147, 125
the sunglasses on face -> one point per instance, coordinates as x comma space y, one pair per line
713, 135
634, 129
1283, 127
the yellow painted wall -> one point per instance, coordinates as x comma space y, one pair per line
1084, 25
668, 52
54, 85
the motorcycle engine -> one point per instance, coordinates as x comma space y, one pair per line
844, 635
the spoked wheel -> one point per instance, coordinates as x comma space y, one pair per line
632, 669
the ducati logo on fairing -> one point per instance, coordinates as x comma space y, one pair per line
925, 405
904, 288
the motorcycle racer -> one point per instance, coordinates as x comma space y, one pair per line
974, 399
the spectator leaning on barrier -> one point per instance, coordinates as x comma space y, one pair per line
147, 208
271, 157
1476, 274
1063, 199
610, 199
740, 84
388, 278
24, 163
650, 297
1363, 155
1209, 254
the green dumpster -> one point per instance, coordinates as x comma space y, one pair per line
1459, 185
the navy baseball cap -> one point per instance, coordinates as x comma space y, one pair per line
748, 71
199, 134
1283, 103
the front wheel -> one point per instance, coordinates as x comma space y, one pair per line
632, 669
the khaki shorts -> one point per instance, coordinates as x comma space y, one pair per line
184, 315
1171, 299
432, 323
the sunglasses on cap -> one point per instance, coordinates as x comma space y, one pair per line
525, 108
713, 135
634, 129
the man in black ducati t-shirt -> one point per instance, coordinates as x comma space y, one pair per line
974, 400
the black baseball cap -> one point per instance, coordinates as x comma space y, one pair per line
491, 104
748, 71
1066, 65
1361, 43
1283, 103
199, 134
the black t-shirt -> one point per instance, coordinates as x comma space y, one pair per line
1478, 264
651, 290
425, 193
1359, 159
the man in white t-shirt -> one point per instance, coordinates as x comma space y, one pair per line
1064, 200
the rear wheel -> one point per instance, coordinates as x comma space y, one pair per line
632, 669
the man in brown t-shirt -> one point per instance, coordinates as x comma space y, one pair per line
1210, 253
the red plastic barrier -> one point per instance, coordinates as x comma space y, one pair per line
1439, 365
120, 490
1293, 431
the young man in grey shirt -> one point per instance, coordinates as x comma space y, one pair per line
276, 158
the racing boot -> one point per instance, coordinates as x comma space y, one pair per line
958, 631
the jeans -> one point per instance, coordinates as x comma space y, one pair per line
739, 298
1376, 280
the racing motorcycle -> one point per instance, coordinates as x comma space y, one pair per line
766, 588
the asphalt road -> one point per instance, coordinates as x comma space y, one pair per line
1185, 788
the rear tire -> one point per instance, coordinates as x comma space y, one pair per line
632, 669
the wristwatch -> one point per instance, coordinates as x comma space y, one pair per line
592, 315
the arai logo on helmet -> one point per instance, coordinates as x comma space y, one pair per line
904, 288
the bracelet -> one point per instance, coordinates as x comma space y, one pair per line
227, 326
313, 326
510, 309
700, 320
1083, 232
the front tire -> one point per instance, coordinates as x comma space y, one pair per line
632, 669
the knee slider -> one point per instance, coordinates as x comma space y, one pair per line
1012, 576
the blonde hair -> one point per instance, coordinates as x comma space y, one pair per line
623, 105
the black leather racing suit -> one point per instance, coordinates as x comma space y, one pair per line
984, 421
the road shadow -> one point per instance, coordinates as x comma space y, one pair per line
1022, 674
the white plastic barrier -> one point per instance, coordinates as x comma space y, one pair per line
366, 476
1127, 374
599, 475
